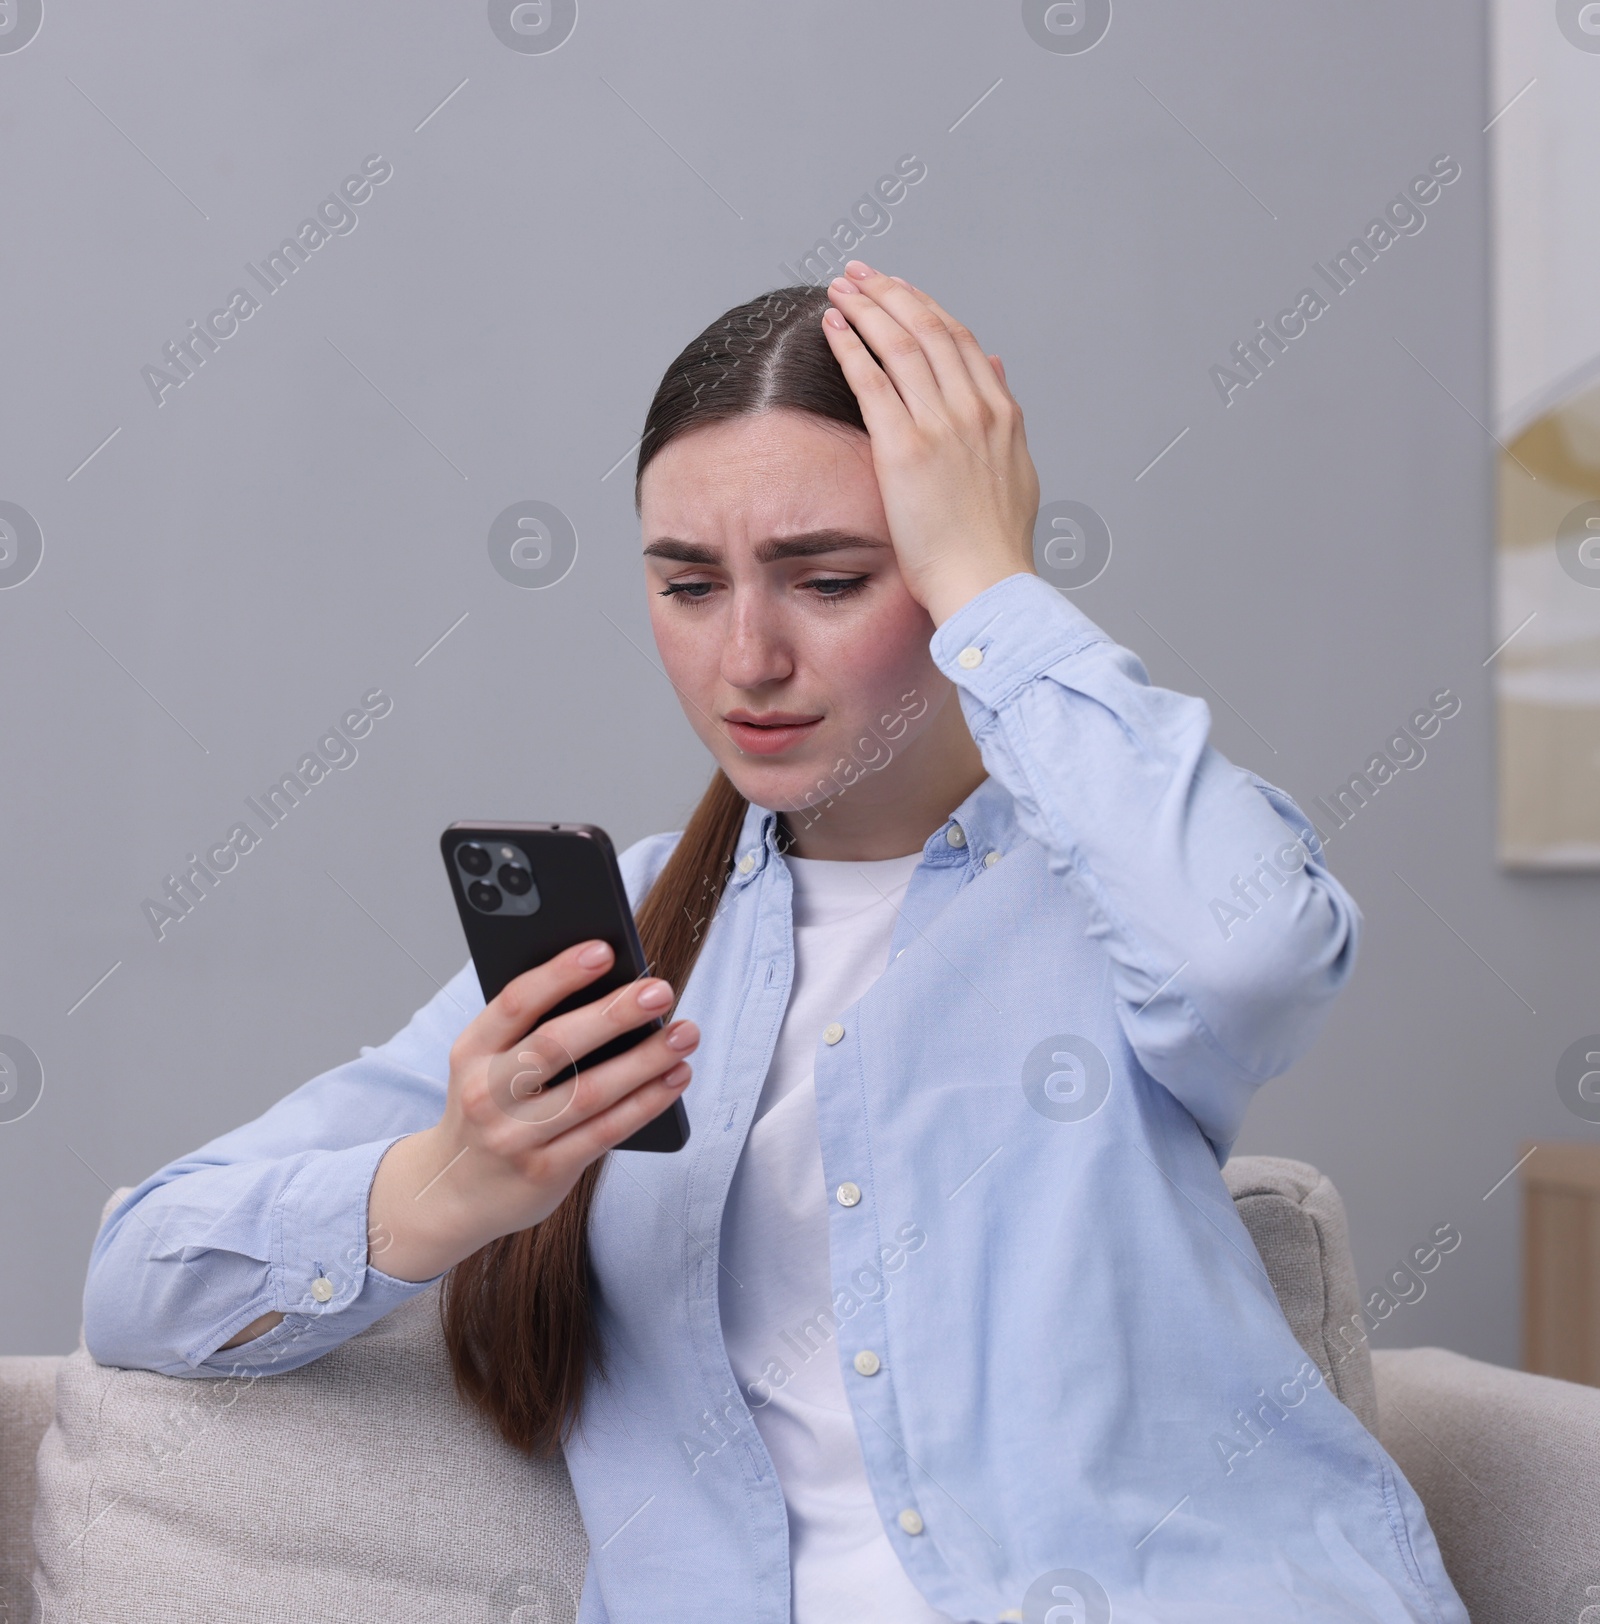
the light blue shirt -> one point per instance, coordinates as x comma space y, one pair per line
1078, 1364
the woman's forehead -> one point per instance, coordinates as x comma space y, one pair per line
751, 479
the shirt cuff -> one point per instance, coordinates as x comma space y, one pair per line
299, 1338
321, 1279
1002, 639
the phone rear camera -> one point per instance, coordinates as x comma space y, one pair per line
516, 879
496, 875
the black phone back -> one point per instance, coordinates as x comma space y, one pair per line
527, 891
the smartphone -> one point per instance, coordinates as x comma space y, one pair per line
527, 891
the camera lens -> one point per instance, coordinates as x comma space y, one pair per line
484, 896
515, 878
474, 859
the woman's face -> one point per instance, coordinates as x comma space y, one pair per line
799, 656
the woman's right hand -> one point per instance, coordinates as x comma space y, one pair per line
511, 1142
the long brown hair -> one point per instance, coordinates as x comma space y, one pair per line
518, 1315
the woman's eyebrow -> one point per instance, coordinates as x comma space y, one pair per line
806, 545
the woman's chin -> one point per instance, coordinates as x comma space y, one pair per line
781, 784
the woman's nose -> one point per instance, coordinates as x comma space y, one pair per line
755, 648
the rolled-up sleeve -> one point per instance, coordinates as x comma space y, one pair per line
1228, 936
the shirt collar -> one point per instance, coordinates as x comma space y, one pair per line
984, 822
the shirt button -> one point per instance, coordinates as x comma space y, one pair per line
322, 1288
910, 1521
832, 1032
969, 657
847, 1195
867, 1363
954, 835
990, 859
746, 863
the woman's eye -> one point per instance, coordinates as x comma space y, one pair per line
830, 588
688, 591
834, 587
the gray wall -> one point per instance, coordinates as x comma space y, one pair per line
303, 519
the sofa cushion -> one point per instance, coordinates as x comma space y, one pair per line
356, 1488
1297, 1221
1508, 1467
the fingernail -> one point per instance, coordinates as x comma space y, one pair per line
858, 269
842, 284
655, 995
679, 1075
835, 320
901, 280
683, 1036
594, 955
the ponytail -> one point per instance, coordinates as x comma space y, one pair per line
518, 1315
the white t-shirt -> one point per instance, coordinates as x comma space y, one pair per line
776, 1294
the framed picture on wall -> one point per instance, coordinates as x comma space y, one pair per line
1545, 151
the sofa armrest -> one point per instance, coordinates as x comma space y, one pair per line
1296, 1219
1508, 1467
27, 1402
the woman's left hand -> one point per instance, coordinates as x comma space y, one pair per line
959, 489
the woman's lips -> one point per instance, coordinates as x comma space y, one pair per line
767, 741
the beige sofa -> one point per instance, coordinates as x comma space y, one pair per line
358, 1488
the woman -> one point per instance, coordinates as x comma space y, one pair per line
944, 1312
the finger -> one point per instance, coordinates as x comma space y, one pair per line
962, 409
512, 1012
967, 421
529, 1083
602, 1087
902, 311
580, 1031
979, 366
538, 1084
607, 1129
1000, 370
882, 409
899, 351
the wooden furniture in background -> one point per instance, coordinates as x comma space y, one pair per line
1561, 1262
